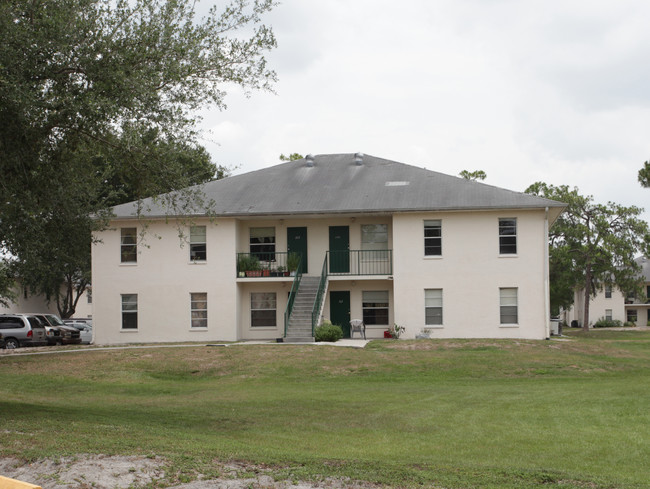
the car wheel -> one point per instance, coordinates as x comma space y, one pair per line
11, 343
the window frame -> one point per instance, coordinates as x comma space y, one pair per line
198, 247
427, 307
124, 301
508, 240
428, 225
632, 315
263, 250
370, 308
608, 314
608, 291
273, 298
198, 314
128, 249
505, 301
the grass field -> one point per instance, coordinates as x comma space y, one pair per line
434, 413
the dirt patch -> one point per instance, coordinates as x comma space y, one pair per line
104, 472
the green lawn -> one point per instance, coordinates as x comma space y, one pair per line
452, 414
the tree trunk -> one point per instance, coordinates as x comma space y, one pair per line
585, 319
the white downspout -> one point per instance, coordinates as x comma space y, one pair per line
547, 289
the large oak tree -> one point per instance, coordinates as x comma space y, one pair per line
591, 246
97, 106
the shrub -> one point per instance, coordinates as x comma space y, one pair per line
328, 332
608, 323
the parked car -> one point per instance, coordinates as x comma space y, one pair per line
2, 342
68, 334
22, 330
85, 330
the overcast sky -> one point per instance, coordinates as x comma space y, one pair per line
549, 90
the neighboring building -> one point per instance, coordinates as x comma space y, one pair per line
611, 303
382, 241
26, 302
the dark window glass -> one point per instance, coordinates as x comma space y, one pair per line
433, 238
507, 236
129, 245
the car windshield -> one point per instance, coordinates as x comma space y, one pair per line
54, 319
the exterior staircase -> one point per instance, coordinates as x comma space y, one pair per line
299, 327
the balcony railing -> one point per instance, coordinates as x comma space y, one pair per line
267, 264
338, 263
360, 262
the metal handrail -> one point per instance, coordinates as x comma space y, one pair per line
318, 302
361, 262
292, 296
266, 264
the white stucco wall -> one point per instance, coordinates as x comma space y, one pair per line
163, 278
470, 273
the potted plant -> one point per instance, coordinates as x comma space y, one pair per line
250, 265
293, 261
278, 272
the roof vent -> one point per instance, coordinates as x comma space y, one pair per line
358, 159
310, 160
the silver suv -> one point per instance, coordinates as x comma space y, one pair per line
22, 330
67, 335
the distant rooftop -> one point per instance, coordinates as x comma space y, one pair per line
346, 183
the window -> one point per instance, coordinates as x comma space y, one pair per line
129, 245
374, 237
199, 306
608, 291
262, 243
509, 313
129, 311
507, 236
608, 314
433, 306
375, 307
263, 309
89, 296
631, 316
198, 248
647, 295
433, 238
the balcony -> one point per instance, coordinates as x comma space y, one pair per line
338, 263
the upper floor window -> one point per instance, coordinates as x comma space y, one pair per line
509, 307
608, 291
198, 244
433, 238
262, 243
199, 307
129, 311
433, 306
507, 236
129, 245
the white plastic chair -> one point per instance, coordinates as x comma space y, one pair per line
357, 325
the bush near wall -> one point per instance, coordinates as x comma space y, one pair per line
608, 323
328, 332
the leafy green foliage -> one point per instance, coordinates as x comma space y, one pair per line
97, 103
608, 323
473, 175
591, 246
291, 157
328, 332
644, 175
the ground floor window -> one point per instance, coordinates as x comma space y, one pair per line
433, 306
631, 316
129, 311
375, 307
263, 309
608, 314
509, 308
199, 306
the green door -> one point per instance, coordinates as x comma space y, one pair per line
339, 249
297, 243
340, 310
